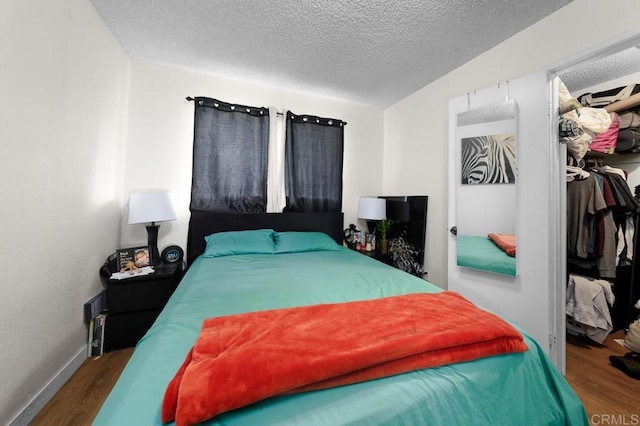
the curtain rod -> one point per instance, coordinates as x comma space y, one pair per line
344, 123
189, 98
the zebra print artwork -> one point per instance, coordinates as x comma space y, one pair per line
489, 159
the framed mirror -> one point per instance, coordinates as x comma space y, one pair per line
486, 188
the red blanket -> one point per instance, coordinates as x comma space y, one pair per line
241, 359
506, 242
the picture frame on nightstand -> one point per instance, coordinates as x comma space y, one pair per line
140, 256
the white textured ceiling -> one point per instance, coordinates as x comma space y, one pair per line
374, 51
608, 68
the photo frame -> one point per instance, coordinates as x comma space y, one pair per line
140, 256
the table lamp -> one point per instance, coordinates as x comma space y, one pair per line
372, 209
151, 207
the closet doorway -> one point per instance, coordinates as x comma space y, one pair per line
536, 297
602, 69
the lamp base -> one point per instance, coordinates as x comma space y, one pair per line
152, 238
371, 226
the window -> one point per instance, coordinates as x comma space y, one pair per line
235, 156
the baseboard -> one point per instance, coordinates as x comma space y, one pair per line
40, 400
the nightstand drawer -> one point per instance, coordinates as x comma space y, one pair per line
140, 295
134, 303
124, 331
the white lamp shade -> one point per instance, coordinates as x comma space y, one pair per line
150, 206
372, 208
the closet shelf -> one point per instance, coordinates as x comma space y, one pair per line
596, 154
630, 102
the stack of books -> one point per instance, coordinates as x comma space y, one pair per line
95, 314
95, 346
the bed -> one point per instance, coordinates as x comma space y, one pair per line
479, 252
519, 388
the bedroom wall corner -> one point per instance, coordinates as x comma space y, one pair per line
416, 163
160, 138
417, 126
63, 96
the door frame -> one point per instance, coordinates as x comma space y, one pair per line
558, 225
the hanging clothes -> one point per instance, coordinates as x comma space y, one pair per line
584, 200
590, 227
600, 217
587, 301
601, 239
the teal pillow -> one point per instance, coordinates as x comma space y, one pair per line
230, 243
298, 242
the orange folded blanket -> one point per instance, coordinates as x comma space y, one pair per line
507, 242
241, 359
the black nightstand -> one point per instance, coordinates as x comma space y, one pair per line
133, 304
384, 258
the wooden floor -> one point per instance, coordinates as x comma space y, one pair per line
80, 399
605, 391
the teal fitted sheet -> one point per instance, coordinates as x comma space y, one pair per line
523, 388
479, 252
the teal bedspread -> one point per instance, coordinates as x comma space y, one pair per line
479, 252
514, 389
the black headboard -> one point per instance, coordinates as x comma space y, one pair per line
204, 223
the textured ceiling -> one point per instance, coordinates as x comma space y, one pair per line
374, 51
611, 67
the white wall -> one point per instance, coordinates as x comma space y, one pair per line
160, 138
416, 128
63, 83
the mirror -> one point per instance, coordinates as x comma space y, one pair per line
486, 188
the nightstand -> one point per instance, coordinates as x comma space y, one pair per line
384, 258
133, 304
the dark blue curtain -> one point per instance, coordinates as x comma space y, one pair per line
314, 150
230, 153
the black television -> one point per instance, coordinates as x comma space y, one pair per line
409, 215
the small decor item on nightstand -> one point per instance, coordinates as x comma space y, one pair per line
133, 258
133, 261
172, 254
358, 239
383, 228
369, 246
350, 236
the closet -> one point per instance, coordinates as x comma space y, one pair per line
601, 126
